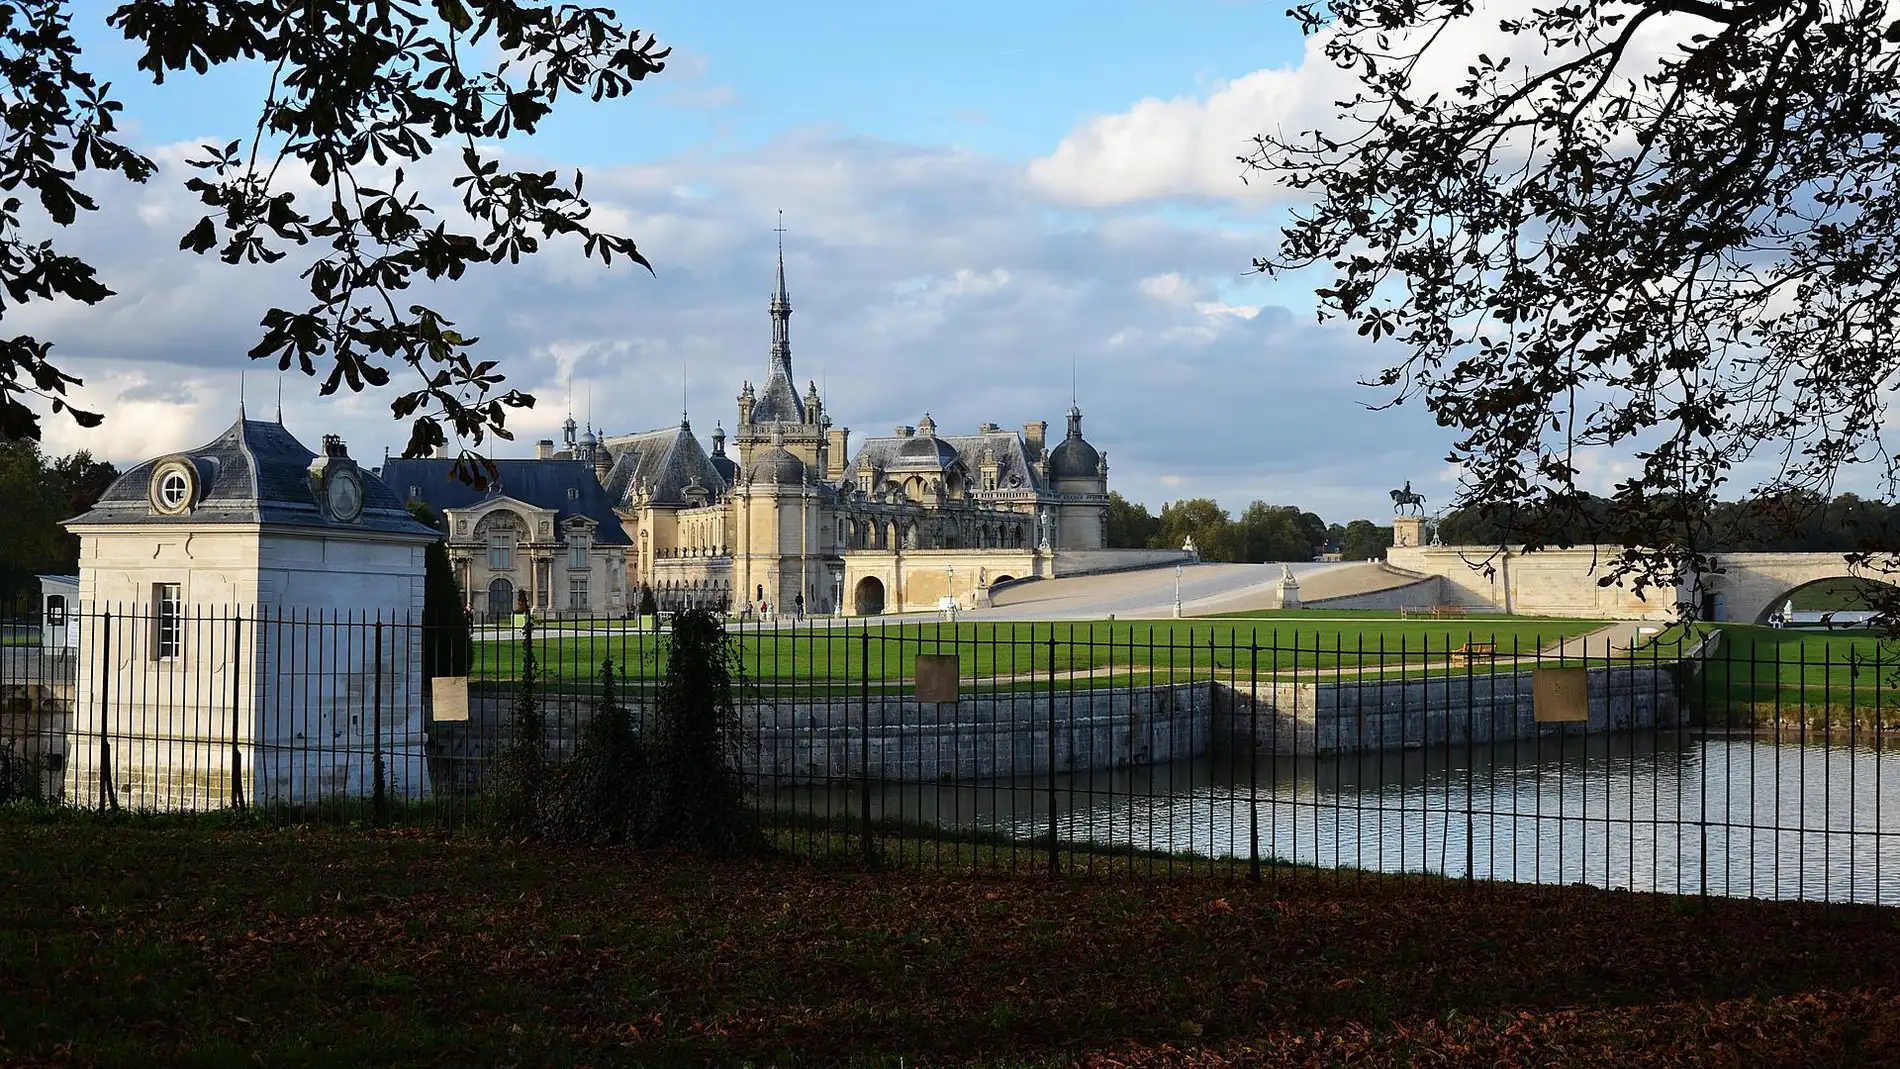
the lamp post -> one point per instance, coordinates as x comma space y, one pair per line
949, 584
1177, 591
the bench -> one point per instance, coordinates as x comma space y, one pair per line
1436, 612
1473, 651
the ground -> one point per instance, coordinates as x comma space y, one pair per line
145, 943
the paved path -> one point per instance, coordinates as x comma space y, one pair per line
1205, 589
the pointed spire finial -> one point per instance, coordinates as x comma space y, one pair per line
280, 400
240, 396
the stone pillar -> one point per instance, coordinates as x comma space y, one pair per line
1287, 593
1408, 531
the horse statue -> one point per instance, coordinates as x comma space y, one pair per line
1404, 499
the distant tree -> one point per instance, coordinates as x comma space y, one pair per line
649, 605
1129, 524
447, 641
1202, 519
358, 92
1664, 228
1274, 533
39, 496
1335, 537
1365, 540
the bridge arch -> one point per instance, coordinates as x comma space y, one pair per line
1753, 585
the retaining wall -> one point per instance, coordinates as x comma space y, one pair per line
1369, 715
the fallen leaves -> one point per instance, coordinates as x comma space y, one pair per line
409, 950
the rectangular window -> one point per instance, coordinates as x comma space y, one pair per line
577, 552
577, 595
168, 620
501, 553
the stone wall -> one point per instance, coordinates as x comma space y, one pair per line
981, 737
1368, 715
1102, 561
1426, 592
1550, 582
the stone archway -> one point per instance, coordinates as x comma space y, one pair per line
501, 598
868, 599
1001, 579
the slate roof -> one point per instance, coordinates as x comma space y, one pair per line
777, 465
541, 483
1074, 457
778, 400
723, 464
665, 461
906, 454
255, 472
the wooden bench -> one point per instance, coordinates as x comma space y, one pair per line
1471, 652
1436, 612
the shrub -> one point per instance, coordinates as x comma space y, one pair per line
519, 780
697, 801
648, 605
600, 791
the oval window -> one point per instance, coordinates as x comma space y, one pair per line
173, 490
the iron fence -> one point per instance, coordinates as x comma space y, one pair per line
1682, 762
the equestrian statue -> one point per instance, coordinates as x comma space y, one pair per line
1404, 499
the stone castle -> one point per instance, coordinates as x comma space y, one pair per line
794, 523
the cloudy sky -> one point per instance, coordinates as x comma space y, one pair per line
978, 198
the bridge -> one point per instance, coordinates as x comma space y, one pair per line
1564, 582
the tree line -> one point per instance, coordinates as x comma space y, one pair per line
1263, 532
1792, 522
39, 493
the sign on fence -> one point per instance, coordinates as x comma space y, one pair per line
451, 698
937, 677
1560, 695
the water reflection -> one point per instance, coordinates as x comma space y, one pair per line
1734, 816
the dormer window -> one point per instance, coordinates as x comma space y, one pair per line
173, 491
174, 487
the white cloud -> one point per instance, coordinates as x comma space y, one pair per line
1192, 394
1190, 147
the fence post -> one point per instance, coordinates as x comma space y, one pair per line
380, 802
1055, 862
1253, 751
864, 744
107, 797
237, 711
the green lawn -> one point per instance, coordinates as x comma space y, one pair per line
1842, 593
1800, 676
1021, 652
134, 944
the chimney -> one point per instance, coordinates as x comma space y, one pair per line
837, 440
440, 452
333, 446
987, 428
905, 430
1034, 434
544, 449
603, 463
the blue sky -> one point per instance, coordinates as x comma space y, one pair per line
975, 195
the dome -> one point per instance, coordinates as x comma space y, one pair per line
926, 451
1074, 457
776, 465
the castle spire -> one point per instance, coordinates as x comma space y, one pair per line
781, 310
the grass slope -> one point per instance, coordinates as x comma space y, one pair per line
991, 650
138, 944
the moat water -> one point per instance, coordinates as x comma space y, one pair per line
1732, 816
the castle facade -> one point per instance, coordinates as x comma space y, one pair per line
788, 519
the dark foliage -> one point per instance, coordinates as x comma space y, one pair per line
649, 606
601, 793
40, 493
447, 640
1655, 230
697, 800
518, 784
1365, 540
358, 90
